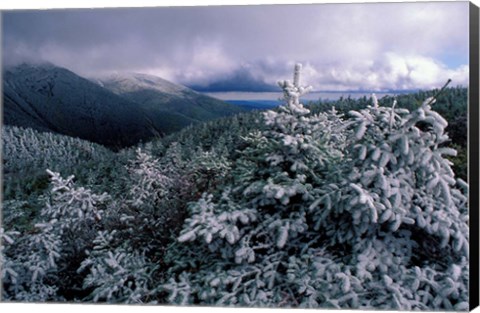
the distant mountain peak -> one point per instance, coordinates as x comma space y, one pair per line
117, 111
46, 97
131, 82
40, 65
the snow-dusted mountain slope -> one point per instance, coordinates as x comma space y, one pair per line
116, 111
157, 95
130, 82
49, 98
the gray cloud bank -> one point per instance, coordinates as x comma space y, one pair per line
343, 47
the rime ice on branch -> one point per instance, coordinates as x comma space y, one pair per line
293, 92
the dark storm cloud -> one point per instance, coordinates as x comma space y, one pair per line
253, 45
239, 80
140, 37
98, 38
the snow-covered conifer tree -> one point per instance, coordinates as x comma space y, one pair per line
67, 224
331, 211
292, 209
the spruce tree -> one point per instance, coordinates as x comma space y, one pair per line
331, 211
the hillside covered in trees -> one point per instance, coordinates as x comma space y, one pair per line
355, 203
116, 111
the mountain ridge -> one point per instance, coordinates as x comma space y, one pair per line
156, 94
47, 97
51, 98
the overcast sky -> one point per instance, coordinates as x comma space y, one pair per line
343, 47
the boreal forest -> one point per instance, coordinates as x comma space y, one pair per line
355, 203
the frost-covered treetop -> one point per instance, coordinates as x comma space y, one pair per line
293, 91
